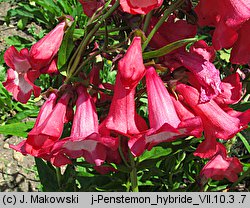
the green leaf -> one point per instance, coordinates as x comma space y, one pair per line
68, 179
78, 33
47, 175
2, 73
225, 54
64, 5
66, 47
91, 183
50, 6
22, 115
18, 41
5, 96
155, 153
21, 24
17, 129
242, 106
168, 48
244, 141
220, 188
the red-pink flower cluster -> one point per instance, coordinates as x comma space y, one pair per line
191, 101
26, 66
232, 26
129, 6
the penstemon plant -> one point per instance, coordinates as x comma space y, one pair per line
140, 97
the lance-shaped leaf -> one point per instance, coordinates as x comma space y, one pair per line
66, 46
168, 48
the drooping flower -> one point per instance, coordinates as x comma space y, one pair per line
131, 65
240, 51
171, 31
231, 90
165, 123
217, 122
122, 116
20, 76
231, 21
44, 112
85, 140
139, 6
197, 60
205, 73
48, 127
43, 52
26, 67
51, 69
220, 166
90, 6
201, 48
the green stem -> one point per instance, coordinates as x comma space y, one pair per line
77, 56
133, 174
59, 177
172, 8
147, 21
122, 156
102, 32
81, 65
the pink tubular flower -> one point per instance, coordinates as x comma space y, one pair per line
224, 125
43, 136
205, 73
240, 52
122, 117
44, 112
231, 90
217, 123
220, 166
131, 65
166, 125
231, 21
85, 140
90, 6
48, 127
20, 77
26, 67
197, 60
139, 6
227, 16
201, 48
42, 52
51, 69
171, 31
